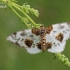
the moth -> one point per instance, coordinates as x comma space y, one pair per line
52, 38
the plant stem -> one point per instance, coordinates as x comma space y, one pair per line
17, 7
12, 5
62, 58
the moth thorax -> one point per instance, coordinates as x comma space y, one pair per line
36, 31
42, 30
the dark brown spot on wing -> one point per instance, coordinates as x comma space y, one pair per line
54, 31
13, 37
28, 42
35, 31
68, 24
17, 43
58, 44
14, 33
23, 33
64, 32
18, 39
22, 39
61, 26
60, 37
49, 29
48, 45
33, 45
31, 35
54, 44
67, 29
39, 45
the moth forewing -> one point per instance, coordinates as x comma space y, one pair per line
25, 39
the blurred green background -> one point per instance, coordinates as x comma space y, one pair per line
13, 57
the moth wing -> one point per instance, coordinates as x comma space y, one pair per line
26, 39
58, 44
60, 32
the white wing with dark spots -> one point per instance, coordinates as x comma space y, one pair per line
63, 28
25, 39
56, 45
59, 35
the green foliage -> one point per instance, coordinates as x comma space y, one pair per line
62, 58
24, 10
27, 9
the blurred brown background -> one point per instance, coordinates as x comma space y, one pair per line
13, 57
